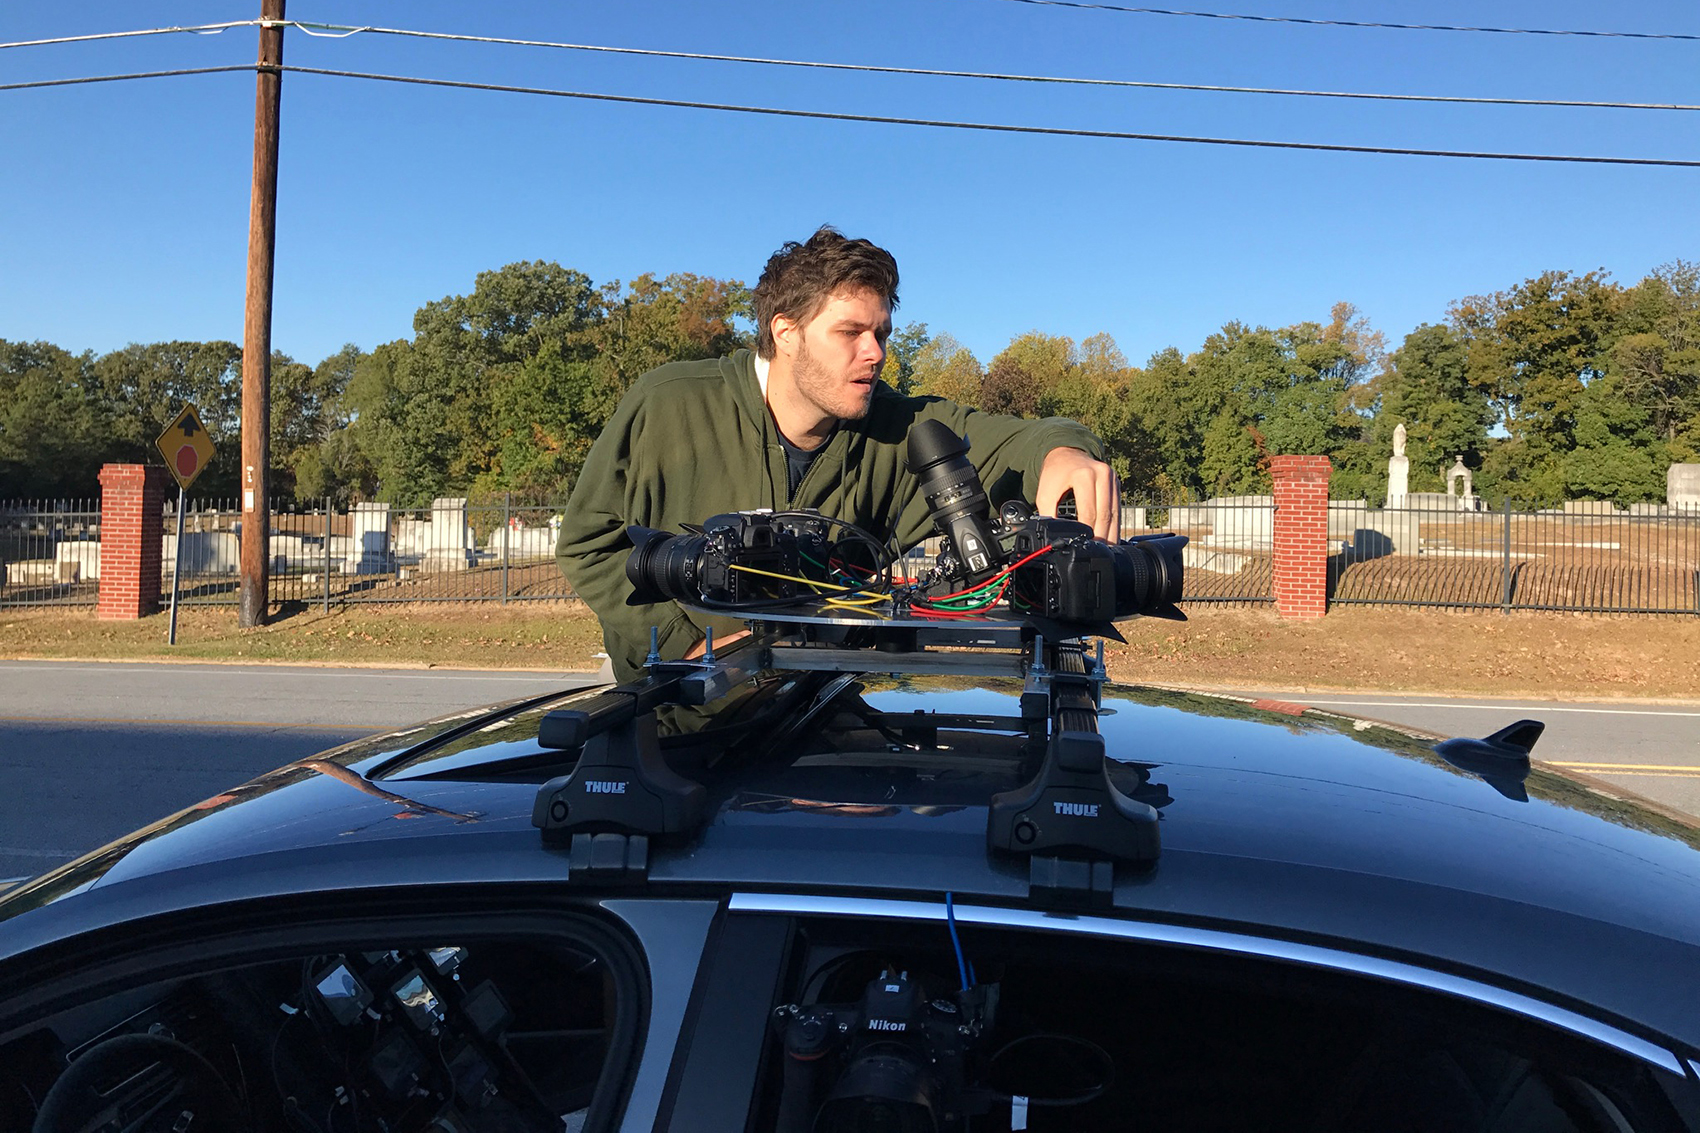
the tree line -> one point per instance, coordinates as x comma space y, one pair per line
1562, 386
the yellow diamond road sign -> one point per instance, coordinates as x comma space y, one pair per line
186, 447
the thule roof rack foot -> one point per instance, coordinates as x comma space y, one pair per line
621, 786
1071, 821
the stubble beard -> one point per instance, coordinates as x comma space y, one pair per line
827, 393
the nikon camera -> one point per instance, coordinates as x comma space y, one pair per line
1080, 578
735, 559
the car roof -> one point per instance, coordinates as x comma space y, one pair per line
1284, 821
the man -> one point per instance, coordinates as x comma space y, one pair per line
802, 422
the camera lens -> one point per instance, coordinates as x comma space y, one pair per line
663, 567
881, 1091
938, 458
1148, 574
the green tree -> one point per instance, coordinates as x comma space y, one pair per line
1618, 455
1532, 351
653, 322
945, 368
1657, 358
53, 434
142, 387
547, 416
1175, 408
1426, 387
324, 458
469, 405
901, 351
1027, 372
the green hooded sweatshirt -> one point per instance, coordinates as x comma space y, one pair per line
692, 440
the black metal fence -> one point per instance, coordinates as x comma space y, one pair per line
1587, 556
49, 552
450, 552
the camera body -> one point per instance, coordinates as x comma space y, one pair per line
1042, 566
1083, 578
900, 1056
1074, 582
736, 558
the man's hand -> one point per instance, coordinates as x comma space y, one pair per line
1097, 496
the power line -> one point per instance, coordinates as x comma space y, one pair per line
991, 127
344, 31
1055, 131
201, 29
347, 30
1355, 23
122, 78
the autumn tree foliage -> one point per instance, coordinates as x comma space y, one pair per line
1562, 385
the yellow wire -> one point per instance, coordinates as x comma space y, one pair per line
835, 603
869, 600
791, 578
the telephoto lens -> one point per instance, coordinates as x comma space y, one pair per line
663, 567
938, 458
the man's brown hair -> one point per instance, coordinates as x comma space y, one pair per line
800, 278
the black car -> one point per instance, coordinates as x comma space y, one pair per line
820, 888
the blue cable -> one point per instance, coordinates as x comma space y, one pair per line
956, 942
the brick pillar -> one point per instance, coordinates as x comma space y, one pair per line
1301, 535
132, 525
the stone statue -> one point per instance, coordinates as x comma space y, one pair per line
1467, 501
1398, 470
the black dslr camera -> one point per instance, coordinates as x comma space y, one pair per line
1056, 568
732, 559
897, 1060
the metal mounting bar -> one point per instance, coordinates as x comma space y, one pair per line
813, 658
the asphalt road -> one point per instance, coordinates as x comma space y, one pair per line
91, 751
1649, 749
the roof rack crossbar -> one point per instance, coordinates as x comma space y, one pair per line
1070, 820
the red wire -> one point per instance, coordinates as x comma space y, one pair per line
927, 603
1000, 574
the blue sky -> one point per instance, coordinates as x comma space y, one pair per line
123, 206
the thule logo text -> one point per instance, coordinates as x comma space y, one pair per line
1077, 810
596, 787
886, 1025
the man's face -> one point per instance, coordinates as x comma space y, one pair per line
840, 352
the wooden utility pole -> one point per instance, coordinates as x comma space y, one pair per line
257, 326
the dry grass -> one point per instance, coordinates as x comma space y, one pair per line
1353, 649
544, 635
1554, 656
